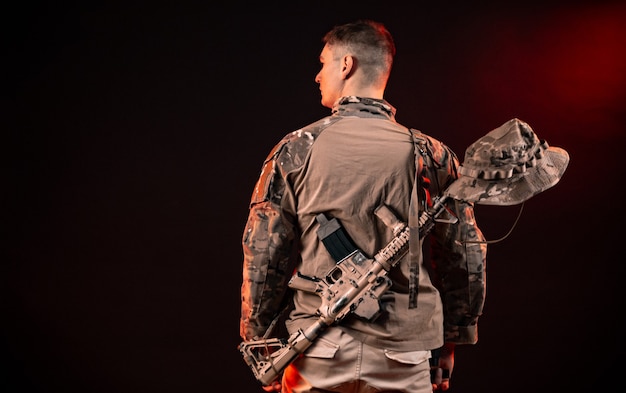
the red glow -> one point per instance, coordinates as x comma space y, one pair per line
569, 64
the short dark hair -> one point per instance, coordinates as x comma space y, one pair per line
369, 41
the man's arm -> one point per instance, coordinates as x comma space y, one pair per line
458, 257
458, 266
267, 242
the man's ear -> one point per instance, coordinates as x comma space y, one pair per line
347, 66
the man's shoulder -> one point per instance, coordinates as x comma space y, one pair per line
434, 148
427, 139
303, 138
312, 130
295, 146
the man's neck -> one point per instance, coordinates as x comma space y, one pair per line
367, 91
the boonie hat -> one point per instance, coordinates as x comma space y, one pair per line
508, 166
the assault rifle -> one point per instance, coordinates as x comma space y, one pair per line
353, 285
356, 282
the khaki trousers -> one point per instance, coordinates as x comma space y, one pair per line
336, 362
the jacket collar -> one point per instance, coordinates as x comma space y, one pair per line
363, 107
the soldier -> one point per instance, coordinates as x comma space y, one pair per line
346, 165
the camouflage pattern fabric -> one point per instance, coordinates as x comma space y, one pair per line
508, 166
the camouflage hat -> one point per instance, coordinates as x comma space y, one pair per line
508, 166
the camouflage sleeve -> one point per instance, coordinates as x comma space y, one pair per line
267, 244
458, 259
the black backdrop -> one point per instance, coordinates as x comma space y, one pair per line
134, 133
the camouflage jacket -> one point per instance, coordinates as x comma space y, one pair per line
346, 165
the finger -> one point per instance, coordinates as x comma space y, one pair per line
436, 376
273, 387
445, 379
440, 378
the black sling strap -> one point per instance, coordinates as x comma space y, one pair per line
415, 249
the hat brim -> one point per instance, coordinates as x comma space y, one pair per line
517, 189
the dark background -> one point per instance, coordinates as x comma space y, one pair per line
134, 132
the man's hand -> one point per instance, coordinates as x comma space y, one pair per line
273, 387
441, 365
